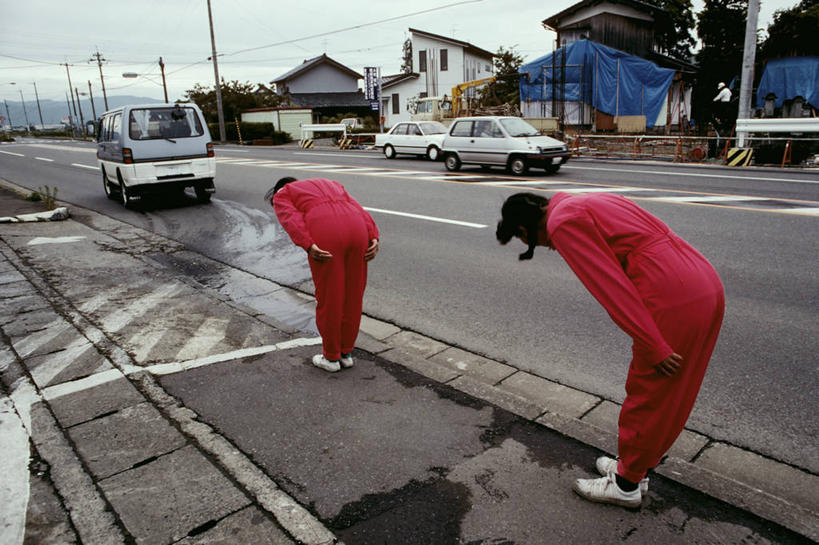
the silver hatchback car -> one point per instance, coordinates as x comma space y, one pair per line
509, 142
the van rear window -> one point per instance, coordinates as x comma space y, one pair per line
159, 123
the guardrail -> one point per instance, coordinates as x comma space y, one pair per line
778, 124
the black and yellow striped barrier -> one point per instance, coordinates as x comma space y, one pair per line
306, 143
739, 157
344, 143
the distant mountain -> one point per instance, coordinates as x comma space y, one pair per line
54, 111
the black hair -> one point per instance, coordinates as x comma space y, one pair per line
521, 210
280, 184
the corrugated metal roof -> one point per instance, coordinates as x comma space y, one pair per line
311, 63
466, 45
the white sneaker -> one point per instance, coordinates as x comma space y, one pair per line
606, 465
605, 490
346, 360
323, 363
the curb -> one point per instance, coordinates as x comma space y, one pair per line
58, 214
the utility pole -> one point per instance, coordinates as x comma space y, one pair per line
8, 114
91, 95
219, 113
747, 78
37, 96
25, 113
70, 118
164, 87
82, 121
73, 131
100, 60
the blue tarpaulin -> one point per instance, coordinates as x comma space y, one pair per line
789, 78
612, 81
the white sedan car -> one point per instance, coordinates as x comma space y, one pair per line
413, 137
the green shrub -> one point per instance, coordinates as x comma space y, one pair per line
45, 194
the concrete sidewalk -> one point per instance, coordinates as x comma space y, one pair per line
168, 398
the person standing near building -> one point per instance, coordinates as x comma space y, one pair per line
722, 102
659, 290
340, 238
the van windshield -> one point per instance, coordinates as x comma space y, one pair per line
165, 122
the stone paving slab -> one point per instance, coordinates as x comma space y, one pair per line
163, 501
78, 360
91, 403
548, 395
117, 442
409, 341
28, 322
377, 329
762, 473
249, 526
478, 367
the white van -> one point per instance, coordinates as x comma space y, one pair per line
155, 147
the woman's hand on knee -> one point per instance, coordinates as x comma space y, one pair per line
670, 365
317, 254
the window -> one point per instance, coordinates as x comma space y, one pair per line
483, 128
158, 123
396, 104
462, 128
399, 129
413, 130
116, 125
422, 61
444, 60
423, 94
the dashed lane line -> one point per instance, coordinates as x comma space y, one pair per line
12, 153
83, 166
46, 159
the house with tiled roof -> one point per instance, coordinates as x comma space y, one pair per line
323, 85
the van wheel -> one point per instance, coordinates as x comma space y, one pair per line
106, 186
201, 195
389, 152
451, 162
432, 153
551, 169
518, 166
124, 195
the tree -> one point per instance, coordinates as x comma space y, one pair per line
793, 32
505, 89
236, 97
676, 39
721, 27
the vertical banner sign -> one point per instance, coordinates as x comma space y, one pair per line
371, 83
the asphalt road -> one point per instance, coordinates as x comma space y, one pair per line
453, 282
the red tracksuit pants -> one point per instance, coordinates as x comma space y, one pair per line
339, 282
686, 299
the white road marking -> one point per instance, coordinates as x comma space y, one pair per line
710, 198
66, 388
748, 177
46, 159
332, 154
54, 240
14, 487
54, 364
427, 218
83, 166
806, 211
61, 148
522, 182
12, 153
605, 189
210, 333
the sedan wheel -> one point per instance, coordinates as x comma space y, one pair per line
451, 162
518, 166
389, 152
432, 153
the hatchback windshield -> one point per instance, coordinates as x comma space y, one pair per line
156, 123
515, 126
433, 127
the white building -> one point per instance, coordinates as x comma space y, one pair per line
438, 64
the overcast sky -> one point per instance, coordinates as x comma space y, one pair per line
38, 36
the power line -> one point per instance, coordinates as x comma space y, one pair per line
354, 27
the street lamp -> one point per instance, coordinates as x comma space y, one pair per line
131, 75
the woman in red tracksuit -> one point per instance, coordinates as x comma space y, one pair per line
661, 291
340, 237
